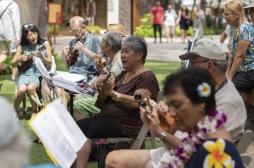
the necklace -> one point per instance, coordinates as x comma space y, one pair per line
126, 78
183, 152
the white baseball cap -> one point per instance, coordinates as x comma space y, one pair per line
9, 125
208, 48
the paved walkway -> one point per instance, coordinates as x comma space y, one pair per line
156, 51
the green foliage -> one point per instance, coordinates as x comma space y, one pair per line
52, 28
189, 32
209, 31
145, 29
8, 65
60, 66
93, 29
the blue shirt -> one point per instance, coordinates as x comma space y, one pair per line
245, 33
85, 64
206, 155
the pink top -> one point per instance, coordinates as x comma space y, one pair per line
158, 14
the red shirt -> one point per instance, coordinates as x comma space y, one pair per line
158, 14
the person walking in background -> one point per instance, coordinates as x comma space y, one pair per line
170, 22
10, 27
157, 13
91, 11
183, 20
198, 21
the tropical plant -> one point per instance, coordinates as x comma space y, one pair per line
145, 29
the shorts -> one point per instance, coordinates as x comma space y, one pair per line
244, 81
86, 105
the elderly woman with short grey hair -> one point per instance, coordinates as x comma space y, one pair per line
119, 116
110, 48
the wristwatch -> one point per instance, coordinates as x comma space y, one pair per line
162, 136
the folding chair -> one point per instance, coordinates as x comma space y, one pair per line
243, 144
245, 141
133, 143
246, 159
136, 143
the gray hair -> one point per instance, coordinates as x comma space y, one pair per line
114, 40
138, 45
221, 65
77, 19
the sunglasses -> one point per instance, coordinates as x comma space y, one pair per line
28, 25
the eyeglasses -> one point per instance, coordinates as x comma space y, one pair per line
75, 30
196, 62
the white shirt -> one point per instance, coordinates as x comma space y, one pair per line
170, 17
230, 102
10, 21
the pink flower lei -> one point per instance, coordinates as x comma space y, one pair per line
183, 152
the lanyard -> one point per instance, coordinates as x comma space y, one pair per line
221, 85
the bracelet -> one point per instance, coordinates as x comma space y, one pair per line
163, 136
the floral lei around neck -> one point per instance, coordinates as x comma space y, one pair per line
183, 152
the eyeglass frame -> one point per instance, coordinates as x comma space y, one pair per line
82, 27
195, 62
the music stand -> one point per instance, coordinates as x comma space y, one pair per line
71, 83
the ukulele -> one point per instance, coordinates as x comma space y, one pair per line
25, 65
166, 121
101, 97
74, 53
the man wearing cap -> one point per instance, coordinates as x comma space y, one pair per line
212, 55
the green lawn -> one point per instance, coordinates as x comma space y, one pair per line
38, 155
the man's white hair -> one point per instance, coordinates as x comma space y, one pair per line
77, 19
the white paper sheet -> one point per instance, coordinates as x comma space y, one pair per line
70, 76
59, 133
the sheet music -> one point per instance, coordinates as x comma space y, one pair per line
65, 84
70, 76
65, 121
41, 68
59, 133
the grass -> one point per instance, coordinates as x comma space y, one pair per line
38, 154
